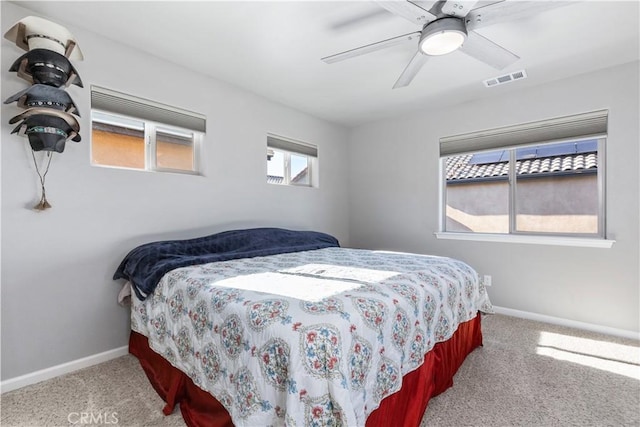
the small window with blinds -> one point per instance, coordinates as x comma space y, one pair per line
135, 133
539, 178
291, 162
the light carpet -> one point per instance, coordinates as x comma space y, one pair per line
526, 374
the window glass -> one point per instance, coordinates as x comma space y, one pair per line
557, 189
117, 142
300, 169
477, 193
174, 150
275, 167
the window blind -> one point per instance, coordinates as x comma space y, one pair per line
115, 102
280, 143
578, 126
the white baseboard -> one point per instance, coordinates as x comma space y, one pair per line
568, 323
65, 368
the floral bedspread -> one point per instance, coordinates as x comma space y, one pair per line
313, 338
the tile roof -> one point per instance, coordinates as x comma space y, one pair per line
272, 179
301, 177
459, 168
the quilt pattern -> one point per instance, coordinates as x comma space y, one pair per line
312, 338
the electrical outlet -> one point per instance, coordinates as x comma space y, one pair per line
487, 280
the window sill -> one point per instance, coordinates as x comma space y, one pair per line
539, 240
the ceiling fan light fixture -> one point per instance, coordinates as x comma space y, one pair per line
442, 36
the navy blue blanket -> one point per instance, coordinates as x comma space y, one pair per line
145, 265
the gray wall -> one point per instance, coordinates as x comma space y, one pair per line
566, 203
394, 201
379, 191
58, 299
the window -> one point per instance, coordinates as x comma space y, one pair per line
291, 162
134, 133
542, 178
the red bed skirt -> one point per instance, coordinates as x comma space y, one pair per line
200, 409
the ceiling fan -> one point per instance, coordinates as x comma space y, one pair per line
448, 26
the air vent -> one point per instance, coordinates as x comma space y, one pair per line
495, 81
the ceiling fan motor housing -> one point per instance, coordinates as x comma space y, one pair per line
442, 36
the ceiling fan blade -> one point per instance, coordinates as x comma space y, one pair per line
371, 47
411, 70
483, 49
425, 4
355, 20
459, 8
408, 10
506, 11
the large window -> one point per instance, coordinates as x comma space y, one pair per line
291, 162
130, 132
542, 178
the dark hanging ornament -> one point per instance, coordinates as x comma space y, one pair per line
45, 66
46, 128
44, 96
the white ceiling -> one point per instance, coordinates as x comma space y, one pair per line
274, 48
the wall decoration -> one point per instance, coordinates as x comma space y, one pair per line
47, 67
42, 95
48, 120
47, 129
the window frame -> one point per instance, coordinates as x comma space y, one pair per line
298, 148
598, 239
150, 130
512, 181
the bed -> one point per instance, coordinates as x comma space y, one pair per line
267, 327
